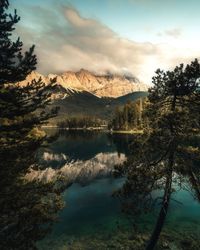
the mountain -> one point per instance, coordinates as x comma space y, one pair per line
85, 93
118, 85
107, 85
82, 103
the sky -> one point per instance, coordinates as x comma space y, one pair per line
120, 36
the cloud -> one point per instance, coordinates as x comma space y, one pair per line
67, 41
175, 33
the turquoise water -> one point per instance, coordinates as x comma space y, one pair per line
184, 212
92, 217
89, 209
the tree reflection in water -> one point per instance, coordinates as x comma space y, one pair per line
27, 208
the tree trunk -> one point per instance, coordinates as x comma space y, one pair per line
195, 184
165, 204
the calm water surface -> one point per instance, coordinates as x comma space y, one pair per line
91, 212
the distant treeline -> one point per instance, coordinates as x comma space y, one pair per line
81, 122
127, 117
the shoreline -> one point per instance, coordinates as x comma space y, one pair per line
127, 131
96, 129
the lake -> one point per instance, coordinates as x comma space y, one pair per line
92, 216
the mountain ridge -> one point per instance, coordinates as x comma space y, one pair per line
84, 93
101, 85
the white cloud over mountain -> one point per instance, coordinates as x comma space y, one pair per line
67, 41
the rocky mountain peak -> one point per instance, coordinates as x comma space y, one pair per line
104, 85
88, 80
70, 80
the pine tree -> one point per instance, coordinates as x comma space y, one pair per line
126, 117
21, 108
25, 208
175, 99
166, 146
175, 103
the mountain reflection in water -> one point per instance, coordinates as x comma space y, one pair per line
77, 169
